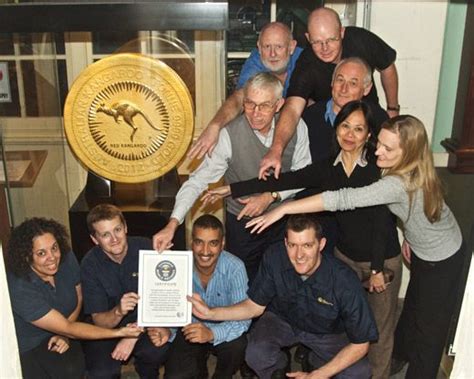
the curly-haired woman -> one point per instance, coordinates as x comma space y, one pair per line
45, 291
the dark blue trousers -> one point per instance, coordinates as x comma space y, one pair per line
271, 333
188, 360
250, 247
40, 363
100, 364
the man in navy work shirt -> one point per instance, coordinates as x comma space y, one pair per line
303, 297
109, 275
220, 278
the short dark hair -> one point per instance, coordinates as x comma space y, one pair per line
103, 212
362, 106
302, 221
20, 247
208, 221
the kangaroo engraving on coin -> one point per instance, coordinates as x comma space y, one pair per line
129, 118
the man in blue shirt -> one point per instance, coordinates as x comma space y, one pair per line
303, 297
221, 280
109, 275
276, 53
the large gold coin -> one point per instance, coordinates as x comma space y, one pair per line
129, 118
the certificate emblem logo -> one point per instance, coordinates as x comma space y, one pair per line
165, 271
129, 118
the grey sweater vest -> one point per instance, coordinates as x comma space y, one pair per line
247, 152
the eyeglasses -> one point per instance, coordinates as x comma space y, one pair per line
329, 42
265, 107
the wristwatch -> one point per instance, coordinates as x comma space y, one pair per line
275, 196
375, 272
395, 108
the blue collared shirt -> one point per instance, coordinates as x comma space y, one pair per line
330, 116
227, 286
253, 65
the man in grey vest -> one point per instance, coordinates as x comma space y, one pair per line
242, 143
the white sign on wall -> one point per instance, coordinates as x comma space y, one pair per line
5, 93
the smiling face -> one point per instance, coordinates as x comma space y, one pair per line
348, 84
46, 256
325, 35
111, 236
207, 245
388, 152
353, 133
304, 250
259, 118
276, 47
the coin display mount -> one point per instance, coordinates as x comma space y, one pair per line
129, 118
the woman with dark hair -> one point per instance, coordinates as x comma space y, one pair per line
367, 239
433, 241
45, 291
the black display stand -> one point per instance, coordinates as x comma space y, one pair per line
146, 208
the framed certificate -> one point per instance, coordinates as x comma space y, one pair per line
164, 280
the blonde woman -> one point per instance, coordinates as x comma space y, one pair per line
433, 241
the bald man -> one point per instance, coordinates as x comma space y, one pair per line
276, 53
329, 43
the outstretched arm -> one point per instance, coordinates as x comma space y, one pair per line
244, 310
55, 322
284, 130
207, 141
307, 205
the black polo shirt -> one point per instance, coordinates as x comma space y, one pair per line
331, 301
104, 281
33, 298
312, 77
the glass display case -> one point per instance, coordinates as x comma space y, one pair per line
45, 46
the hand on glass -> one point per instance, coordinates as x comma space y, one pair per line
211, 196
255, 205
259, 224
205, 143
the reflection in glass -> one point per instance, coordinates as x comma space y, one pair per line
168, 48
40, 87
246, 19
11, 109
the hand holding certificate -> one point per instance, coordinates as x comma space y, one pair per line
164, 282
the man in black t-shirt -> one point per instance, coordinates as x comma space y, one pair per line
311, 80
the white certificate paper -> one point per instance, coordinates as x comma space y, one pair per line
164, 280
